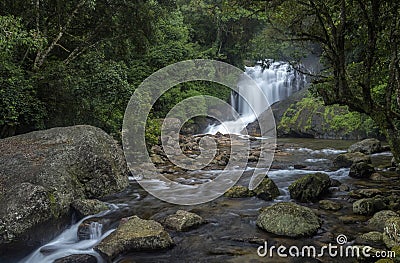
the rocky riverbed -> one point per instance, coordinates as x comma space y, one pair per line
315, 191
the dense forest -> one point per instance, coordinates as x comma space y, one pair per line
78, 62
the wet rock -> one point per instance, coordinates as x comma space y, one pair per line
351, 219
267, 190
373, 238
134, 234
344, 187
85, 207
239, 191
385, 260
156, 159
93, 227
369, 257
347, 159
361, 170
367, 146
361, 193
288, 219
335, 183
43, 172
183, 221
304, 259
379, 218
78, 258
310, 187
299, 166
330, 205
394, 163
368, 206
391, 235
377, 177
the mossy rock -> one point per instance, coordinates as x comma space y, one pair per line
86, 207
288, 219
347, 159
379, 218
310, 188
361, 170
369, 206
373, 238
183, 221
239, 191
330, 205
391, 233
267, 190
134, 234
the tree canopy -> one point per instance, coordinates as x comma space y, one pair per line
359, 42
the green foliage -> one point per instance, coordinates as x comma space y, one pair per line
153, 131
19, 105
310, 115
78, 62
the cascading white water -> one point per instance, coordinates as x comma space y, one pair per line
277, 80
95, 229
68, 243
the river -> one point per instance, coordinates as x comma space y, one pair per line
230, 234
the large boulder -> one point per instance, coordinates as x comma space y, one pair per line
310, 187
347, 159
361, 170
43, 172
134, 234
367, 146
288, 219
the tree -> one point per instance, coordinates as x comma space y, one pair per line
223, 28
360, 51
19, 103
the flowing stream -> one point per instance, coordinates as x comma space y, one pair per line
231, 234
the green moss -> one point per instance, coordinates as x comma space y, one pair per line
310, 115
53, 205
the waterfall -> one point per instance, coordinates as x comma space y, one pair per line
68, 243
277, 80
95, 229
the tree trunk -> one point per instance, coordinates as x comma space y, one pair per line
393, 138
391, 131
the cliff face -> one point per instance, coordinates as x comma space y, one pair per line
301, 115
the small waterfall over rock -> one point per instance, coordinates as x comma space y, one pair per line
96, 229
68, 243
277, 80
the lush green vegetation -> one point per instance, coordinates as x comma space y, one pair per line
78, 62
310, 117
